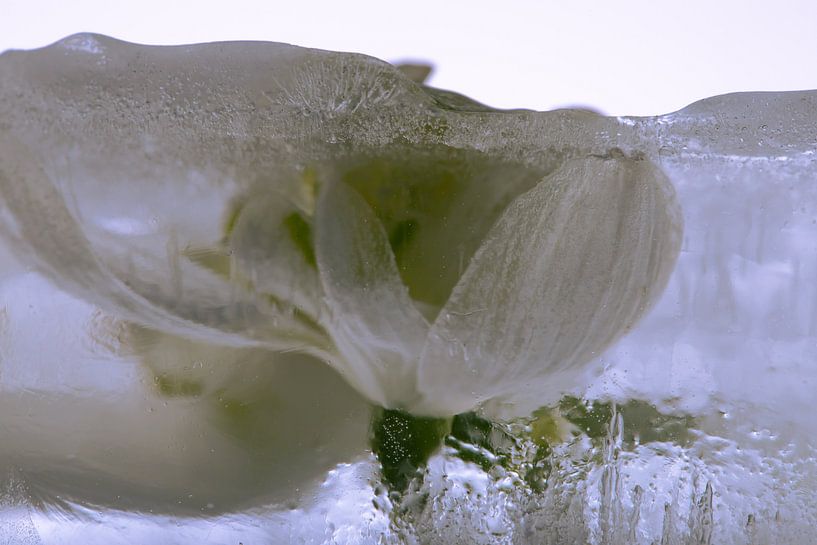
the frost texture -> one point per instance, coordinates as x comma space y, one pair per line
188, 230
16, 525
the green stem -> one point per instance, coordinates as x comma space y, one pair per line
403, 444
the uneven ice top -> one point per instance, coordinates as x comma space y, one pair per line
253, 203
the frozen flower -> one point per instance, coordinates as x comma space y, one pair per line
440, 255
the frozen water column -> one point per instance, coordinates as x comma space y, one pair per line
735, 328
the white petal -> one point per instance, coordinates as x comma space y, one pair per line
132, 277
272, 247
568, 268
373, 321
437, 204
86, 422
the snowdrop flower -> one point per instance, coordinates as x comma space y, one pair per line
430, 249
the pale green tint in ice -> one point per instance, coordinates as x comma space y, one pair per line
144, 180
216, 258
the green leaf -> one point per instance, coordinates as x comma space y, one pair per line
480, 441
592, 418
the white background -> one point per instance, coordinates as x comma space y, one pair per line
637, 57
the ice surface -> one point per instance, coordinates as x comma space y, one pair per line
187, 231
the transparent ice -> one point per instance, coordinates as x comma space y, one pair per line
218, 260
